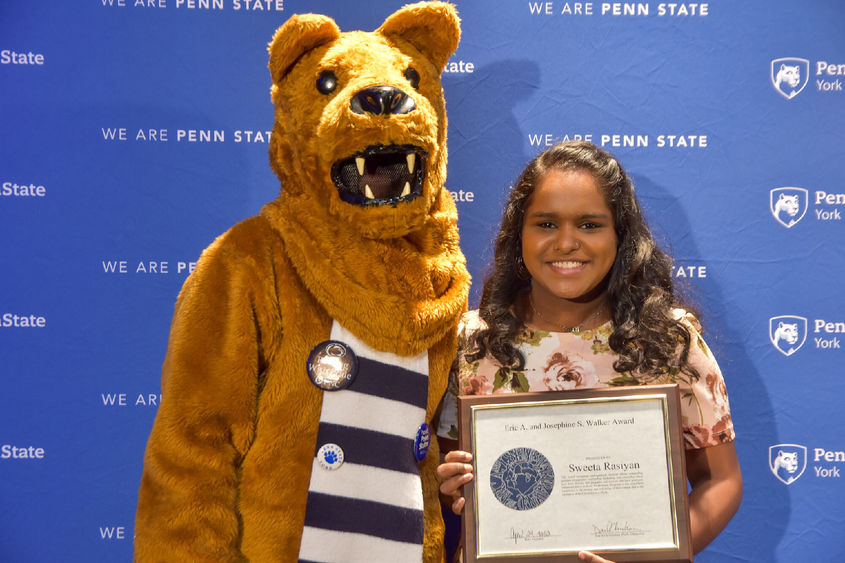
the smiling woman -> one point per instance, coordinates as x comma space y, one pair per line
568, 247
581, 297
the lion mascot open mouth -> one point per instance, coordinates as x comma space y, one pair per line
310, 348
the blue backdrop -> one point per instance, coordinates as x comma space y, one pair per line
134, 132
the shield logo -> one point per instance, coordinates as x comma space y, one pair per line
788, 333
789, 75
787, 462
788, 205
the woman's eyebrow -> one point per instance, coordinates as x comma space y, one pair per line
552, 214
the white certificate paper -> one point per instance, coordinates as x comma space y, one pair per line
558, 476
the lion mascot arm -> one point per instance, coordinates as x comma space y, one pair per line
187, 507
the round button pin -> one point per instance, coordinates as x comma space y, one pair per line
330, 456
422, 441
332, 365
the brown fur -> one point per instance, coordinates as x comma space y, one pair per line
228, 462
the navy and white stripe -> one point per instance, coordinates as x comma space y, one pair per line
371, 507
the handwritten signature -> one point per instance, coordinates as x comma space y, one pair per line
528, 535
614, 528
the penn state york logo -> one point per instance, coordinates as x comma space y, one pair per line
789, 76
522, 478
787, 462
787, 333
788, 205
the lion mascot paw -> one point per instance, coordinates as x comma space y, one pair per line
310, 348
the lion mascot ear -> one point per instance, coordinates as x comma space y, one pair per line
433, 28
300, 34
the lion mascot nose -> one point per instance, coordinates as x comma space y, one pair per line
382, 100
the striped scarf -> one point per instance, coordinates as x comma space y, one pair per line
370, 508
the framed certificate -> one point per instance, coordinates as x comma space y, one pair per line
559, 472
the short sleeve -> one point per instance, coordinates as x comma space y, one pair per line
705, 409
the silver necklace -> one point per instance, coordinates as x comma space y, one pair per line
563, 328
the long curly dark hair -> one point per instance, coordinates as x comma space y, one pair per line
648, 339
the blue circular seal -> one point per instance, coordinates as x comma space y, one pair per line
522, 478
332, 365
422, 441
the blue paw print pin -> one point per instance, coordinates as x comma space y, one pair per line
330, 456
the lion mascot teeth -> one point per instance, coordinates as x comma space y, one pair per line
310, 348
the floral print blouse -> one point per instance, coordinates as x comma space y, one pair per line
557, 361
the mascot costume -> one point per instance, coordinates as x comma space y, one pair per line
310, 348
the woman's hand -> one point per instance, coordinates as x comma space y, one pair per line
454, 473
592, 557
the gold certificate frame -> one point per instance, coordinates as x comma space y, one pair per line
560, 472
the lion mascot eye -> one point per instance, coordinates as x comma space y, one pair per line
327, 82
413, 77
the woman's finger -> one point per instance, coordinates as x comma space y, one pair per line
448, 470
452, 486
592, 557
458, 456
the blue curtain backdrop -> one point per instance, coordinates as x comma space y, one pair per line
136, 132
